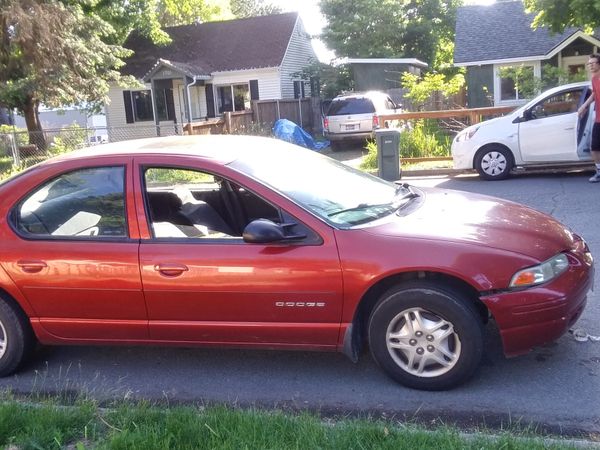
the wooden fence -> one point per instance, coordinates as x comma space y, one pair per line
475, 115
266, 112
304, 112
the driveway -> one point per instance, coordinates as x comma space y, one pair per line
556, 387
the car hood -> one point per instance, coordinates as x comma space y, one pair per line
481, 220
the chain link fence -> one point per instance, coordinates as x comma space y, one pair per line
20, 149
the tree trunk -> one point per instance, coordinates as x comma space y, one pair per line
34, 127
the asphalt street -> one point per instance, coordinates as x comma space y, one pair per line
557, 386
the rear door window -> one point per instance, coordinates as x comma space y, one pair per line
349, 106
88, 203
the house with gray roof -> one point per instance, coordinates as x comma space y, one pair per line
208, 69
497, 45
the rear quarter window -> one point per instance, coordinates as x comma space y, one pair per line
351, 106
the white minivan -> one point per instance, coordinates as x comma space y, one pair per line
546, 132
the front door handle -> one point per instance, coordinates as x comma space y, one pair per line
568, 129
31, 266
171, 270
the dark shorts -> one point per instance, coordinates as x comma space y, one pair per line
596, 137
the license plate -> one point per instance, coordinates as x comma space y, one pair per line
350, 127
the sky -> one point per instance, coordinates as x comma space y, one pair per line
314, 22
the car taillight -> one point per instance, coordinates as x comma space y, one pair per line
375, 121
326, 124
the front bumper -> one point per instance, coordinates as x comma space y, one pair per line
535, 316
462, 155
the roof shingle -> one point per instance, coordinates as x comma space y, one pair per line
251, 43
501, 31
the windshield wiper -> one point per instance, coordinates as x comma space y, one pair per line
408, 195
362, 207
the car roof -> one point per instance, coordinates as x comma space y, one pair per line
563, 87
220, 148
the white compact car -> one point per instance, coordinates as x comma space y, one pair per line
546, 132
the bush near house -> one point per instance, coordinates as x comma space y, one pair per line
420, 139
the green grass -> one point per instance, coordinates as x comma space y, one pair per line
84, 425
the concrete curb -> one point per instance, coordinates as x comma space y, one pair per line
429, 172
434, 172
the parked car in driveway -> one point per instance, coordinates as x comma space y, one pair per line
355, 117
252, 242
546, 132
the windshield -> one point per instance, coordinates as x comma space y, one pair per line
331, 190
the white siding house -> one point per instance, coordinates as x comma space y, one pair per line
209, 69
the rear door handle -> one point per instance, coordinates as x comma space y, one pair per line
171, 270
31, 266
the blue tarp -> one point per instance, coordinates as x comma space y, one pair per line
287, 130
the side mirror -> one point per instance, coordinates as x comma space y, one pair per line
263, 231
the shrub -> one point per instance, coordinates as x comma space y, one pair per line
369, 162
424, 139
70, 138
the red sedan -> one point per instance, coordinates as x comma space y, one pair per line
252, 242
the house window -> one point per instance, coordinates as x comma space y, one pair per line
516, 82
234, 97
138, 105
142, 105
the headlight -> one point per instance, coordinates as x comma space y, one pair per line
542, 273
466, 134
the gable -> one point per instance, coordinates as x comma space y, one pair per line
501, 31
203, 48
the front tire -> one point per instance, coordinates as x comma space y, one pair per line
426, 337
494, 163
16, 338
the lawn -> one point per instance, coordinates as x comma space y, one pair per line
45, 424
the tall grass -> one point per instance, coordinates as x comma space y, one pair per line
421, 139
84, 425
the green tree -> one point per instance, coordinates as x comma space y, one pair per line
251, 8
67, 52
332, 79
420, 89
560, 14
53, 54
389, 28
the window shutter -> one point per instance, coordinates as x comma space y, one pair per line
210, 100
302, 88
315, 86
254, 90
296, 89
128, 107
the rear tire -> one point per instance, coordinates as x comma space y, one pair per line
425, 336
16, 338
